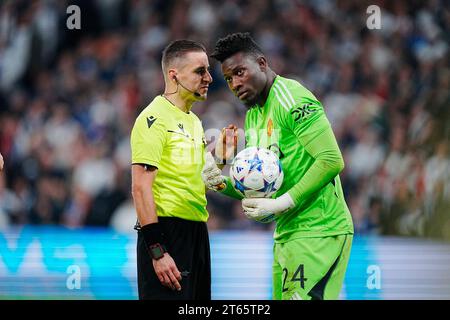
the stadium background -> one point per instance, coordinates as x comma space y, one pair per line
68, 99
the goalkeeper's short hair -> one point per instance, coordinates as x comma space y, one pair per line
234, 43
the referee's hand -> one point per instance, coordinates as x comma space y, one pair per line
226, 145
167, 272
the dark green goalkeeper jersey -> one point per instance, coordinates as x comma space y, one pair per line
293, 124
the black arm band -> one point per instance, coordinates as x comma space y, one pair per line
152, 234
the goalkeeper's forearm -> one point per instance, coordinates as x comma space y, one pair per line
327, 165
229, 190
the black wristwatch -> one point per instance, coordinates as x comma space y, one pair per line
157, 251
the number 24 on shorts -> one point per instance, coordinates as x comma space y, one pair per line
299, 275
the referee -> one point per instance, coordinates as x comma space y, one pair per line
167, 146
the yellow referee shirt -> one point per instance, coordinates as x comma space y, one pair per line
173, 141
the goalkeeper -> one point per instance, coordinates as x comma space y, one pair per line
314, 228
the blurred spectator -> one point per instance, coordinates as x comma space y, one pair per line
68, 99
10, 204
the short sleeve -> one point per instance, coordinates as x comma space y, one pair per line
148, 138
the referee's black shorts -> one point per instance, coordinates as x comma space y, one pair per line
187, 242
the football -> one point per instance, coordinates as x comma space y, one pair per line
256, 173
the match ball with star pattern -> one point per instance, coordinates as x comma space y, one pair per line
256, 173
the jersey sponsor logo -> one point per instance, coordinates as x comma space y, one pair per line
269, 127
180, 125
150, 121
287, 101
303, 111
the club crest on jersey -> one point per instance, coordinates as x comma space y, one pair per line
269, 127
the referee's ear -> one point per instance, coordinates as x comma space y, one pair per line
172, 75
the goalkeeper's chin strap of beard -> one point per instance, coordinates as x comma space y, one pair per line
195, 93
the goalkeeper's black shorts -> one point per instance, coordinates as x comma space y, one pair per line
187, 242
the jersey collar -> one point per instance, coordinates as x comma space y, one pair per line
171, 105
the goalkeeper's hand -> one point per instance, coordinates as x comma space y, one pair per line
266, 210
211, 174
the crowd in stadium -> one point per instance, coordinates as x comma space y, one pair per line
69, 98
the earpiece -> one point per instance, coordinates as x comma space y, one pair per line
195, 93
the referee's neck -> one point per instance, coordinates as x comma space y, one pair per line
183, 103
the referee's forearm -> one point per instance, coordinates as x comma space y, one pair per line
144, 204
